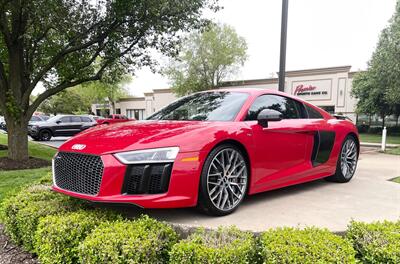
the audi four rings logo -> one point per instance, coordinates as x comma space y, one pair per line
78, 146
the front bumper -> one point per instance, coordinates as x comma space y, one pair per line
33, 132
182, 190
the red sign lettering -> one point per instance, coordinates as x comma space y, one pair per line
303, 88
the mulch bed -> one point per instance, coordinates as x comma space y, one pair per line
31, 163
12, 254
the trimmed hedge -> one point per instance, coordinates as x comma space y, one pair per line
226, 245
378, 242
58, 236
310, 245
144, 240
59, 230
21, 213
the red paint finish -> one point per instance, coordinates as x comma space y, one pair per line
279, 155
112, 119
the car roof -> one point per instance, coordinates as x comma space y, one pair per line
257, 91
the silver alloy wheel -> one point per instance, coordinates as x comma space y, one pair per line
227, 179
348, 158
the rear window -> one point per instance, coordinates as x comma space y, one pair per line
312, 113
85, 119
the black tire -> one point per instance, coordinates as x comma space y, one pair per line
205, 204
45, 135
339, 175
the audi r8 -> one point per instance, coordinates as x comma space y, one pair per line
210, 150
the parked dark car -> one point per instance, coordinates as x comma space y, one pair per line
34, 119
60, 126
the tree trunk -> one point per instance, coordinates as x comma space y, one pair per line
17, 139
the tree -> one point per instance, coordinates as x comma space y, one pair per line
108, 90
65, 102
58, 42
378, 89
206, 59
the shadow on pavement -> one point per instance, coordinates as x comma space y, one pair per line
189, 215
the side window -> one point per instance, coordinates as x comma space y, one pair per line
290, 109
75, 119
35, 118
86, 119
312, 113
65, 119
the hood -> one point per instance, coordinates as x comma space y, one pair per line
36, 122
136, 135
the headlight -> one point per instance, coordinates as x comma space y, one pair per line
148, 155
34, 127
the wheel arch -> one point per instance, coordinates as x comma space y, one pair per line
354, 135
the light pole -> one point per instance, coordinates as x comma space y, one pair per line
282, 58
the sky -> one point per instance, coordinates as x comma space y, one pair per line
321, 33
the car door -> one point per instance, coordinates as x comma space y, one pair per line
62, 126
280, 150
76, 125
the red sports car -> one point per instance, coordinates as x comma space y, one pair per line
210, 150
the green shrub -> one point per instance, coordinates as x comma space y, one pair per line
311, 245
144, 240
47, 179
377, 242
23, 211
58, 236
225, 245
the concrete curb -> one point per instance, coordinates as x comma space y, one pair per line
378, 145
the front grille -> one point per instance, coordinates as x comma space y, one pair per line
147, 179
78, 173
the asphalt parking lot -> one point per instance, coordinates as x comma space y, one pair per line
55, 142
368, 197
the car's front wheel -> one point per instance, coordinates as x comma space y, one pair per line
224, 180
347, 161
45, 135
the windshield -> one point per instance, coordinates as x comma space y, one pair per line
207, 106
53, 119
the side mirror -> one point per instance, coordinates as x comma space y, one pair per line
58, 121
268, 115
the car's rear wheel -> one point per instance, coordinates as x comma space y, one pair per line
224, 180
45, 135
347, 161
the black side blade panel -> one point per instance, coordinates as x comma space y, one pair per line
323, 144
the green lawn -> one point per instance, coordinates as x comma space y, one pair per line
13, 180
35, 149
373, 138
394, 151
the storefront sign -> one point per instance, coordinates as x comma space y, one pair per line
313, 89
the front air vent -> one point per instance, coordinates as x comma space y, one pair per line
147, 178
